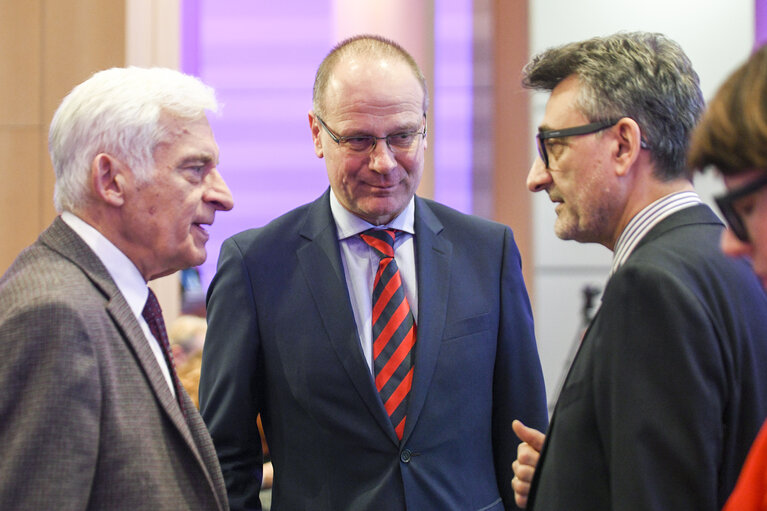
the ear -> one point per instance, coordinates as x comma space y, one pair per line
108, 179
629, 138
314, 126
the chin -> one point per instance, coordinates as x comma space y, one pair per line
194, 258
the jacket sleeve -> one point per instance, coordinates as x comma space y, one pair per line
518, 386
229, 400
659, 393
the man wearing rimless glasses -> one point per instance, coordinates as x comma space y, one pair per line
732, 138
663, 399
386, 340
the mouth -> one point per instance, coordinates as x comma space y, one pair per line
200, 228
558, 203
383, 189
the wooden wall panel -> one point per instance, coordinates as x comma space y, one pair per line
46, 47
19, 62
80, 37
19, 200
512, 137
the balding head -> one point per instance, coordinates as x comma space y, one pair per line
366, 47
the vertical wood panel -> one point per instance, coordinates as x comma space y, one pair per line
19, 62
80, 37
19, 200
20, 34
513, 204
46, 47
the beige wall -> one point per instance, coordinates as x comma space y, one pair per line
46, 48
415, 32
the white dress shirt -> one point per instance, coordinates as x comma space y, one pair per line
128, 279
361, 263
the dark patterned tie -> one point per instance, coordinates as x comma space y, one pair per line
153, 315
394, 329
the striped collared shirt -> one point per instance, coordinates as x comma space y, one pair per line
645, 220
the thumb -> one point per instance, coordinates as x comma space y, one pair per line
532, 437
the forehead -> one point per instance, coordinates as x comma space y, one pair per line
373, 86
186, 135
562, 106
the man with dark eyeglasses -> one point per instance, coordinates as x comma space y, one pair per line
665, 394
732, 138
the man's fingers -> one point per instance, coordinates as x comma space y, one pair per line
521, 491
523, 473
530, 436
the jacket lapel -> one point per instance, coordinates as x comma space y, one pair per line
320, 259
700, 214
61, 238
433, 256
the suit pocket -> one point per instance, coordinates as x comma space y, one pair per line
466, 327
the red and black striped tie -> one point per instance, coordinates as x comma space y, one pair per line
394, 329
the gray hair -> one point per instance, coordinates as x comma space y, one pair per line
117, 111
644, 76
363, 45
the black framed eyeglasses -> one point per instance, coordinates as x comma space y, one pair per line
728, 207
586, 129
399, 143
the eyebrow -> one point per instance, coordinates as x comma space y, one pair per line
401, 128
204, 158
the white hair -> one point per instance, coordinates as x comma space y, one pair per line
117, 111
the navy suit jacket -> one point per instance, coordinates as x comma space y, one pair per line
282, 341
669, 387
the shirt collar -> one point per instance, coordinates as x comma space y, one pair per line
122, 270
348, 224
645, 220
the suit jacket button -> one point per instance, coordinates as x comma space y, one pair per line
404, 456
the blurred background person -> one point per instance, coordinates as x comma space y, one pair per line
187, 338
732, 138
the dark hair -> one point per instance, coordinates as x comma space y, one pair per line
641, 75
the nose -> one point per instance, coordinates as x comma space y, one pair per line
732, 246
539, 178
217, 192
382, 158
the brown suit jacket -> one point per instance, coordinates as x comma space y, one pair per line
87, 419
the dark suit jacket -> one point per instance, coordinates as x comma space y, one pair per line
87, 419
669, 387
282, 341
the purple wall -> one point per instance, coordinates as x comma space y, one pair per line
261, 58
760, 33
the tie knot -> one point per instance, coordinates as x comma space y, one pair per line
381, 240
152, 309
